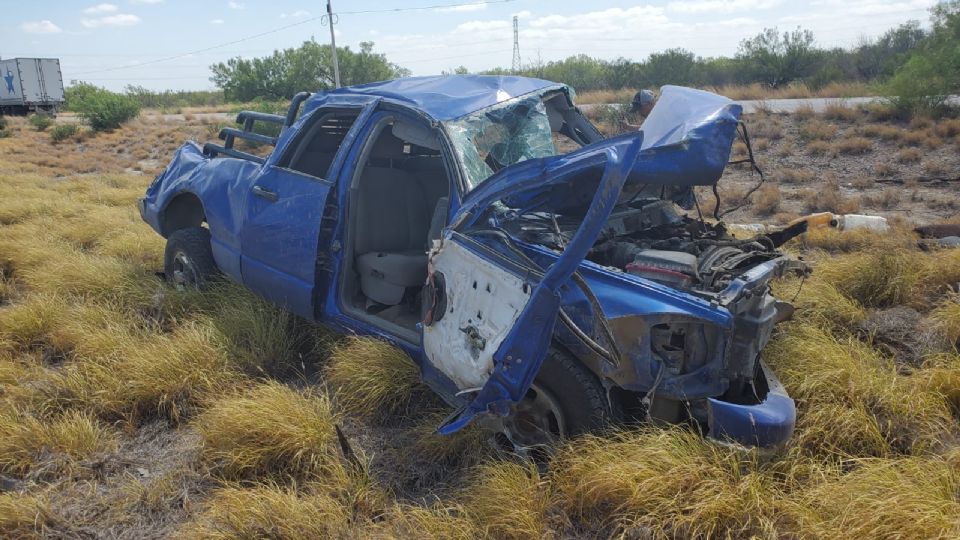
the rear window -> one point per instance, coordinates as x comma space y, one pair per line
316, 147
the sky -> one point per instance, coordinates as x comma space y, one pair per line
170, 44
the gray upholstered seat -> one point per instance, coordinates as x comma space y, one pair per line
384, 277
394, 213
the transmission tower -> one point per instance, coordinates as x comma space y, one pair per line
516, 46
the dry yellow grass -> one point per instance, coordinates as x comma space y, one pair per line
853, 145
816, 130
668, 482
947, 317
258, 336
941, 374
818, 148
623, 95
838, 110
766, 200
169, 376
903, 498
438, 522
821, 369
269, 512
874, 279
795, 176
508, 500
948, 128
804, 112
821, 303
836, 241
270, 429
23, 516
373, 379
26, 440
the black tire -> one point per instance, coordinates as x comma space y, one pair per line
577, 404
188, 260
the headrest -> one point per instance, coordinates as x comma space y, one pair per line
387, 146
417, 134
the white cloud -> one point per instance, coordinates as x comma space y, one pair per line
477, 5
720, 6
299, 14
874, 7
40, 27
481, 26
525, 14
216, 21
607, 21
236, 5
120, 19
100, 8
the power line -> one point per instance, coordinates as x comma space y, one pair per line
198, 51
286, 27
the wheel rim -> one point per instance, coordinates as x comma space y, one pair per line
185, 275
536, 422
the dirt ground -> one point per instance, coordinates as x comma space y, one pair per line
846, 165
844, 161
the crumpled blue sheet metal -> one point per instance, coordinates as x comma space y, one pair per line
222, 186
443, 97
687, 138
692, 132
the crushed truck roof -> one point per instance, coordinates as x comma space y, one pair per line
442, 97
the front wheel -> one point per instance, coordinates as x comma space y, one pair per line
188, 260
564, 400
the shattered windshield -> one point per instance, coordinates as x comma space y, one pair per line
501, 135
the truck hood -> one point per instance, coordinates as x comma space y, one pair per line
686, 142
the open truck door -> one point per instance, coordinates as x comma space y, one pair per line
488, 329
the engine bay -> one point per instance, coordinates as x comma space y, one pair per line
652, 239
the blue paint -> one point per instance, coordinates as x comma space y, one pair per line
9, 80
767, 424
273, 246
440, 97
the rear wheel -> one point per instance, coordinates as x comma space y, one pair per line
564, 400
188, 260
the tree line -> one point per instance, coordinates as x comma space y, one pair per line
771, 58
917, 65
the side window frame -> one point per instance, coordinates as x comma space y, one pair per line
308, 131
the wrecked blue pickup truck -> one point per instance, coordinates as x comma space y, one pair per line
544, 293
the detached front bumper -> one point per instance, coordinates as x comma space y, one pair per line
766, 424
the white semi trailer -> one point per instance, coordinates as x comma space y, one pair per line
30, 84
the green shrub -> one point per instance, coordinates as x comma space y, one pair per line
41, 121
101, 108
62, 132
3, 127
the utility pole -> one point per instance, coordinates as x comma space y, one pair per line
516, 46
331, 19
